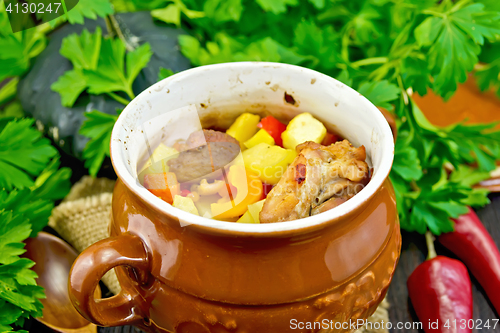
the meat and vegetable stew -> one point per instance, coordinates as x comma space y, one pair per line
258, 171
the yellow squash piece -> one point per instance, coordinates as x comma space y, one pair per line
302, 128
244, 127
157, 163
260, 137
186, 204
246, 218
248, 191
268, 162
254, 210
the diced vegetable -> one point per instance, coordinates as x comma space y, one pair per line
157, 162
254, 210
164, 185
186, 204
248, 191
269, 162
266, 188
260, 137
329, 139
203, 204
244, 127
246, 218
252, 214
302, 128
274, 127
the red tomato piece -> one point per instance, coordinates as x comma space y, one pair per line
329, 139
274, 127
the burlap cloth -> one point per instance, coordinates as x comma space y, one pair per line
83, 217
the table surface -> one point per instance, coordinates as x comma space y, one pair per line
413, 253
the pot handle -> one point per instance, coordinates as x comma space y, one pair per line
89, 268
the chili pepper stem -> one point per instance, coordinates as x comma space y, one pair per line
429, 238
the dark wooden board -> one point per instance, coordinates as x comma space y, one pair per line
413, 253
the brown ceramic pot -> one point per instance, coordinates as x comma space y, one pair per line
188, 274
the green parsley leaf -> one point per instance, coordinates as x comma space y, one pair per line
227, 49
24, 153
452, 35
488, 76
406, 163
164, 73
83, 50
17, 50
380, 93
19, 294
9, 90
319, 4
344, 78
172, 13
97, 127
53, 183
89, 9
13, 231
110, 74
221, 11
276, 6
100, 66
24, 202
468, 176
318, 43
70, 85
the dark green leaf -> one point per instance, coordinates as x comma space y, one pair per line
97, 127
24, 153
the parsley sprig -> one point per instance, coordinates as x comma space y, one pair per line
32, 180
101, 66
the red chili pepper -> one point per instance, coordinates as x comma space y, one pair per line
329, 139
274, 127
472, 243
441, 293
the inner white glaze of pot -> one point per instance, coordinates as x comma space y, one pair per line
224, 91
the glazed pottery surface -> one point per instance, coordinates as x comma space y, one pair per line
185, 273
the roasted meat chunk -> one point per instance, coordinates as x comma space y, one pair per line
320, 178
203, 153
